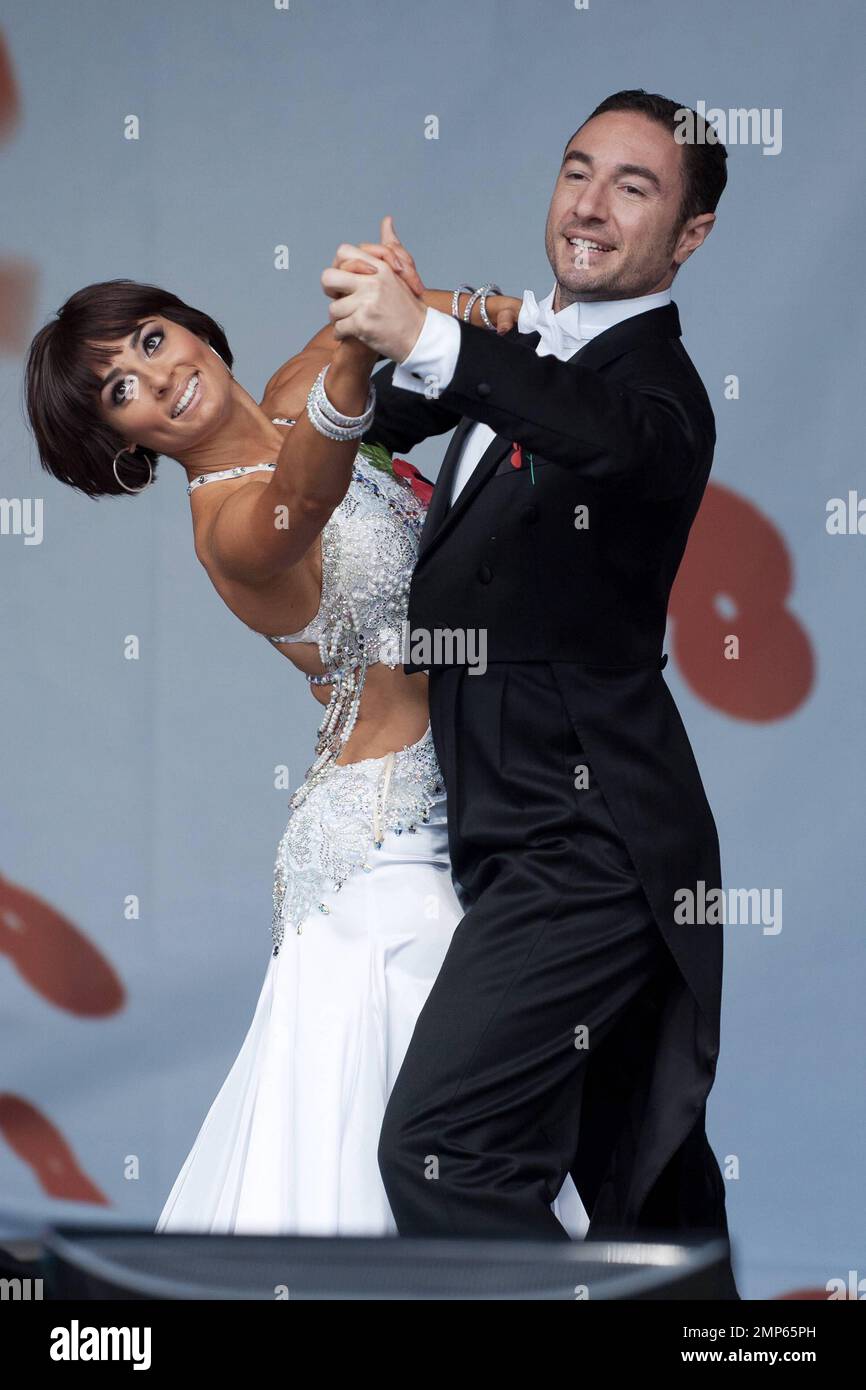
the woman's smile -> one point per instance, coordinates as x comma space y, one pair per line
189, 397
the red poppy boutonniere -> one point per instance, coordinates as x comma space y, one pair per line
422, 489
408, 474
517, 459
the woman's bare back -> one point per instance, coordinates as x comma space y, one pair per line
393, 710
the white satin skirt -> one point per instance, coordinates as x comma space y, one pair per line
289, 1144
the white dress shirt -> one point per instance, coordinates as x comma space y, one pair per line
433, 359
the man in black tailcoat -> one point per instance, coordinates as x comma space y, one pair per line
574, 1026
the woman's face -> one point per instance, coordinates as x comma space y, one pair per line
166, 389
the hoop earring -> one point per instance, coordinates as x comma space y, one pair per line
120, 480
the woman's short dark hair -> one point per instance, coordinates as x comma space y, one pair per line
62, 390
704, 163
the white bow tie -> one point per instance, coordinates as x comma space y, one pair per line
555, 339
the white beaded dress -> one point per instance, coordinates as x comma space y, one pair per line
363, 913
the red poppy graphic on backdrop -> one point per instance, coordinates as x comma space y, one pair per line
40, 1145
54, 958
736, 578
18, 277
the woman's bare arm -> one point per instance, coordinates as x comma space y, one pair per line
497, 306
286, 390
262, 531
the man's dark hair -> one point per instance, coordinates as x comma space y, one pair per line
704, 163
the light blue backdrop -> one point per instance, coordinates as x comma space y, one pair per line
155, 777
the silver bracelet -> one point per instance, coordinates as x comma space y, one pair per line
321, 422
485, 291
329, 421
467, 312
330, 410
455, 299
474, 294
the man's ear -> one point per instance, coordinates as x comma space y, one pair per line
693, 235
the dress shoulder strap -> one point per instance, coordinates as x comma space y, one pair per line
236, 472
227, 473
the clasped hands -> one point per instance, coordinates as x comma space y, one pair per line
376, 294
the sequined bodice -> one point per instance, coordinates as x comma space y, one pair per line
369, 549
340, 812
373, 534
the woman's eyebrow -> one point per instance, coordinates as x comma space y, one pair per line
115, 371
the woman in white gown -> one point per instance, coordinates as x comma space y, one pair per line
364, 905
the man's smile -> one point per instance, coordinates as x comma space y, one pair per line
585, 247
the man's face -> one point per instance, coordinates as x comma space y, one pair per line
619, 189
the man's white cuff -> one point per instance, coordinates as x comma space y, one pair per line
433, 360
